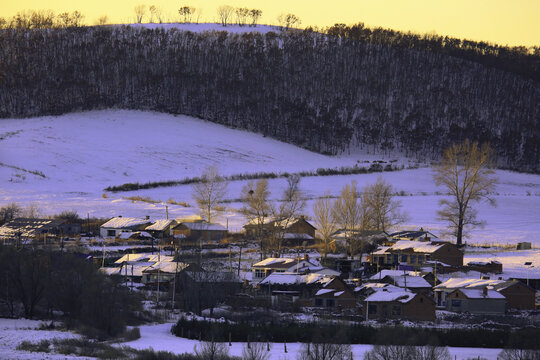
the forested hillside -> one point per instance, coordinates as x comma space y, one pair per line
325, 93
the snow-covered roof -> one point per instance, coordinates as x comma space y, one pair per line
28, 227
391, 294
110, 270
457, 283
297, 236
294, 279
126, 234
480, 294
204, 226
144, 257
160, 225
287, 263
381, 250
414, 234
416, 246
381, 274
166, 266
124, 222
409, 279
339, 293
324, 291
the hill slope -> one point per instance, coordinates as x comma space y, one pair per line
63, 163
325, 93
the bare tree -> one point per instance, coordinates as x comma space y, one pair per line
325, 351
255, 15
198, 14
241, 15
257, 207
255, 351
140, 12
288, 210
157, 13
382, 208
31, 211
209, 192
211, 350
322, 211
102, 20
9, 212
286, 21
466, 175
400, 352
347, 213
519, 354
225, 13
187, 13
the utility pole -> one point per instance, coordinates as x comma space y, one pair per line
167, 211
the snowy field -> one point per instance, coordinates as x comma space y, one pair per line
65, 162
159, 337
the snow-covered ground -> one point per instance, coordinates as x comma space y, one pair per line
15, 331
159, 337
65, 162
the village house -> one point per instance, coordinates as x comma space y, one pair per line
162, 229
334, 295
410, 280
476, 301
413, 235
295, 231
165, 271
262, 269
391, 302
491, 266
30, 228
200, 231
416, 253
118, 225
517, 294
341, 236
291, 288
131, 266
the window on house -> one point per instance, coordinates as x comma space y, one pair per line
259, 274
318, 302
111, 233
413, 259
456, 303
372, 309
396, 310
388, 258
330, 303
404, 258
395, 259
420, 259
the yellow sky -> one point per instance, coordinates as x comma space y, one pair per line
513, 22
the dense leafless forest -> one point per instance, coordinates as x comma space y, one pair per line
326, 91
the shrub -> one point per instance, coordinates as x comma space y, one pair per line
42, 346
325, 351
255, 351
211, 350
519, 354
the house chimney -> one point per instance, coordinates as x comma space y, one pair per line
306, 257
484, 291
147, 217
119, 216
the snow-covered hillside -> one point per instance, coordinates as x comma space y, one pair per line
65, 162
